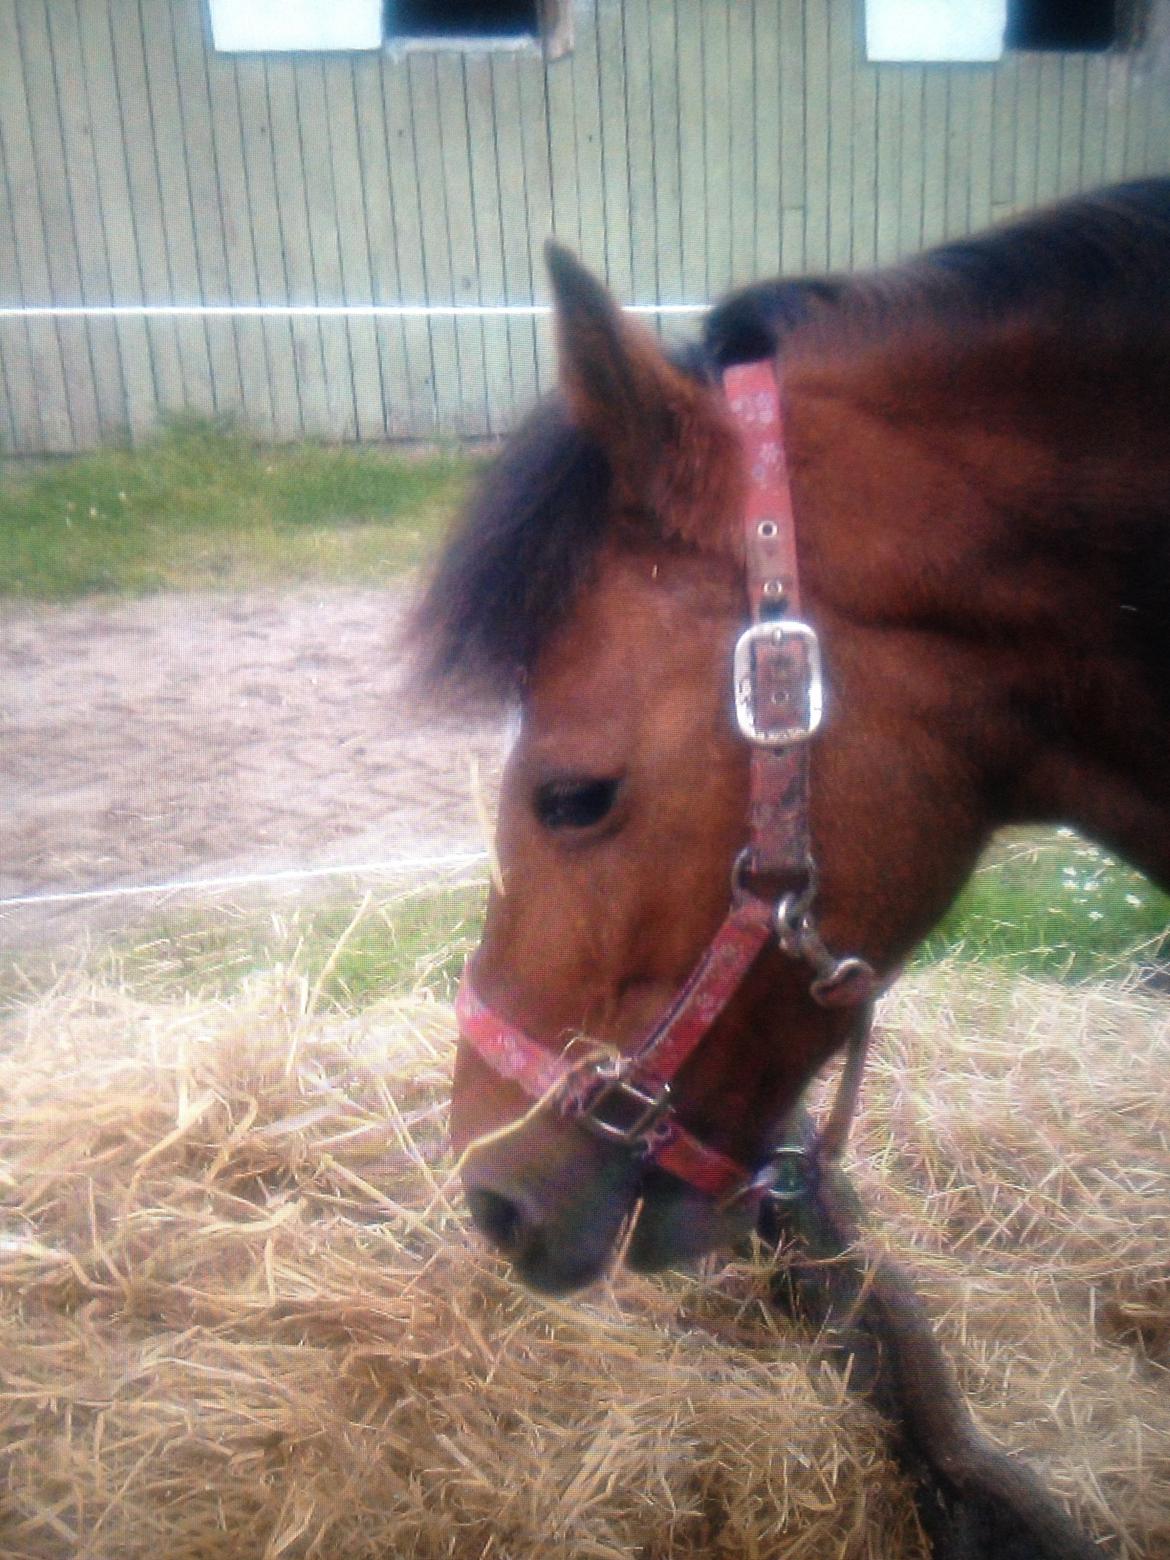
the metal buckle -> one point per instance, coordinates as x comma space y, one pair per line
777, 633
639, 1111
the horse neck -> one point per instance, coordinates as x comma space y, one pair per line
988, 518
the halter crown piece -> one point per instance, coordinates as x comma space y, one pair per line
778, 694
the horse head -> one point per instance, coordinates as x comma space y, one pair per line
600, 582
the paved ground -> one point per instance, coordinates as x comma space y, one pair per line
184, 736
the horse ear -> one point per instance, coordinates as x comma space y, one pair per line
670, 445
607, 363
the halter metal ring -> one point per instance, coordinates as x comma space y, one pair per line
783, 1177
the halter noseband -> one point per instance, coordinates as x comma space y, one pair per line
778, 691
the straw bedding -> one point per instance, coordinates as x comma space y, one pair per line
241, 1314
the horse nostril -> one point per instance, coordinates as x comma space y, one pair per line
499, 1218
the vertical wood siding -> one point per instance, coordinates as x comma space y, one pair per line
684, 146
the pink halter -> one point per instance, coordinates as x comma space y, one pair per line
778, 704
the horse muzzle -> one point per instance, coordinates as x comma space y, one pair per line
549, 1196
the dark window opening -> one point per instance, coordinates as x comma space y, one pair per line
1061, 24
462, 18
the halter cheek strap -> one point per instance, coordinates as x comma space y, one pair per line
778, 702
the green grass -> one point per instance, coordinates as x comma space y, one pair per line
403, 942
398, 945
1052, 904
201, 507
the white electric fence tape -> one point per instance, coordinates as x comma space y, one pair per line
402, 866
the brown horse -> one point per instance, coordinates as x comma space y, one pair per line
978, 444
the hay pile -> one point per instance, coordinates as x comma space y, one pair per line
240, 1314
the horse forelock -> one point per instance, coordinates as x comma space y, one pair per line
522, 550
527, 544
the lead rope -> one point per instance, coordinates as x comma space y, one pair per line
830, 1144
791, 1170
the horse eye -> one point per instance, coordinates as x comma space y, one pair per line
574, 804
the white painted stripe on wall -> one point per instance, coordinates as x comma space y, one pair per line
355, 311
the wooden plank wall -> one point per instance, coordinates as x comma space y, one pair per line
684, 146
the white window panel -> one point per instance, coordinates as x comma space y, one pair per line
244, 26
928, 30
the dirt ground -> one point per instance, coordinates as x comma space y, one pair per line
201, 736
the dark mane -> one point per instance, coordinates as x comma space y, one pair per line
1098, 261
521, 552
531, 535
